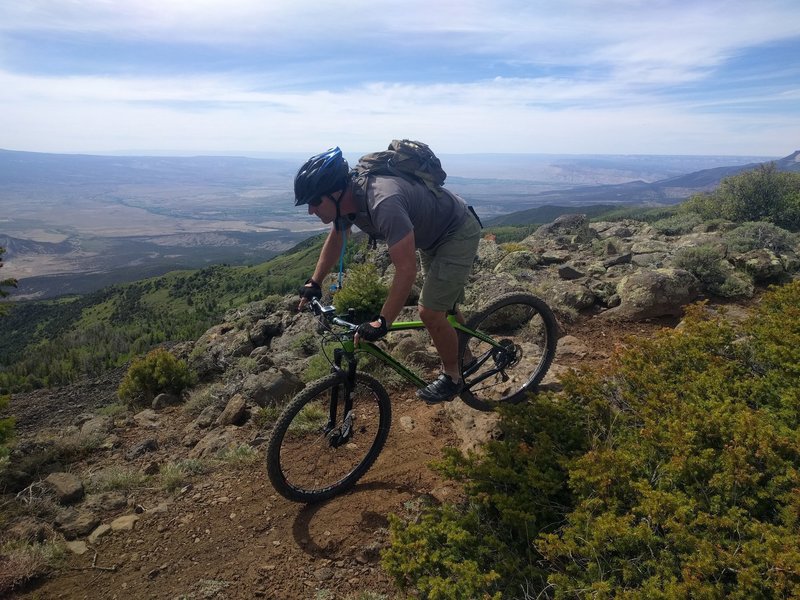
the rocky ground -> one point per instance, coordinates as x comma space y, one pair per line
173, 501
225, 533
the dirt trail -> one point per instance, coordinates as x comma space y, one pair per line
230, 536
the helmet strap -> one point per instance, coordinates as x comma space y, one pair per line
341, 222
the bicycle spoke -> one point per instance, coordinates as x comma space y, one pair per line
313, 458
523, 332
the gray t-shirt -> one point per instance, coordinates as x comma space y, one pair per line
395, 206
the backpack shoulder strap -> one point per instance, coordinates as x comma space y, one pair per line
360, 181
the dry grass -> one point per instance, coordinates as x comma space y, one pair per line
21, 562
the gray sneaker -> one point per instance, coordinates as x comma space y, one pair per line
443, 389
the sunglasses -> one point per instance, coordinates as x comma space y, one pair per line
318, 200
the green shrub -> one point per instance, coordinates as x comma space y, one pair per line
759, 234
362, 291
509, 247
113, 410
670, 473
4, 283
737, 284
158, 372
716, 275
775, 349
703, 262
444, 556
689, 489
306, 344
517, 489
762, 194
266, 416
678, 224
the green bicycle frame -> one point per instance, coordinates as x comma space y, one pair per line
371, 348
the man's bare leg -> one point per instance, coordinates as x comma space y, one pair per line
444, 339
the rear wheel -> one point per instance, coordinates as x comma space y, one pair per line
311, 458
524, 334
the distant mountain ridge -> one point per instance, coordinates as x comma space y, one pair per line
665, 191
73, 223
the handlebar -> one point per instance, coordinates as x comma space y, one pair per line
329, 314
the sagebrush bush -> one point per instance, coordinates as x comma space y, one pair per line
362, 291
158, 372
678, 224
671, 473
116, 479
704, 262
716, 275
759, 234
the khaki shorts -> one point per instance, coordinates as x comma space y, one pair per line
447, 267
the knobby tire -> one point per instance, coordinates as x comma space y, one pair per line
518, 319
302, 464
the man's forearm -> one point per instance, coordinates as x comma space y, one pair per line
398, 293
404, 259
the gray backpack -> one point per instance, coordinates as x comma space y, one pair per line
404, 158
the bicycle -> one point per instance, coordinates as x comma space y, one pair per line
330, 434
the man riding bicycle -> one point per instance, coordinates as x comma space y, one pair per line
409, 217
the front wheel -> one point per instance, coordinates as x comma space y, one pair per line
523, 334
315, 452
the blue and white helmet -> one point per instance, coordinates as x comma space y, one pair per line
322, 174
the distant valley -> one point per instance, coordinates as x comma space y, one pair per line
75, 223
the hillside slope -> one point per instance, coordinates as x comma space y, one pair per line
173, 499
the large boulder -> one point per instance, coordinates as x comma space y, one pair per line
646, 294
244, 329
489, 255
514, 262
762, 264
570, 294
566, 229
271, 387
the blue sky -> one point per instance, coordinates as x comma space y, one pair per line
256, 76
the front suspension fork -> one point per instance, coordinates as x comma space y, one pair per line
340, 437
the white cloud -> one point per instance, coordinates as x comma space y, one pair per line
202, 114
607, 67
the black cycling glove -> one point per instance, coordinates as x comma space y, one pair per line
370, 333
311, 291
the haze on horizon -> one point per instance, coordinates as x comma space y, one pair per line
556, 77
